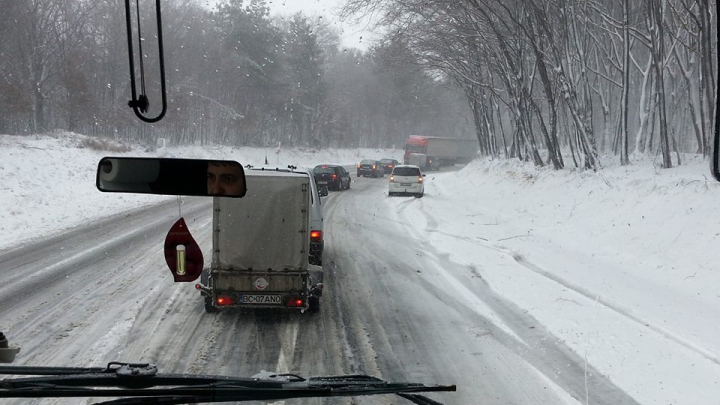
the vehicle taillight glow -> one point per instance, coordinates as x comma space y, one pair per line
358, 165
316, 235
295, 303
224, 301
334, 176
390, 166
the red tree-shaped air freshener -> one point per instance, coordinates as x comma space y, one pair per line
182, 254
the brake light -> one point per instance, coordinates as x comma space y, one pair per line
224, 301
295, 303
316, 235
334, 176
392, 179
390, 166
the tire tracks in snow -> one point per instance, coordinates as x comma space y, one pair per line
518, 258
527, 338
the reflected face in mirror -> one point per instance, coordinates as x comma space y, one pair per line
170, 176
225, 178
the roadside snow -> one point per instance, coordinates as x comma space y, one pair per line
621, 265
47, 182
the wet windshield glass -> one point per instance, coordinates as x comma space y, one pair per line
556, 244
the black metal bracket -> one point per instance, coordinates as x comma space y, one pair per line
141, 103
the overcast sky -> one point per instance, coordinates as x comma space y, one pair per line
355, 36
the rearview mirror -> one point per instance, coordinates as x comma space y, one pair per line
191, 177
323, 191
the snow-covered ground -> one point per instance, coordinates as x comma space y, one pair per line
619, 265
48, 181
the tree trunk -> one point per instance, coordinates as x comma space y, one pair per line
624, 147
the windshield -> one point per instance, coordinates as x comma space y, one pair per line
557, 243
406, 171
324, 170
414, 148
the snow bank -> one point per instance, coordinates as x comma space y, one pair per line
48, 181
621, 264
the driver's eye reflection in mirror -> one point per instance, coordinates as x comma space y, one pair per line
225, 178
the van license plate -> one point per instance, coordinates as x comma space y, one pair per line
405, 184
261, 299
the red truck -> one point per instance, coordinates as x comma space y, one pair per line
430, 152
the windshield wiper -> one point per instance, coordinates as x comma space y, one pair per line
140, 384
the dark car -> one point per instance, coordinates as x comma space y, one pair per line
388, 164
333, 176
369, 167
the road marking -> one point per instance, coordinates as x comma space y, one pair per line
283, 365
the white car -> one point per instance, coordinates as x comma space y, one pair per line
407, 179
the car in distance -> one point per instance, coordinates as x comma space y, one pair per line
407, 179
333, 176
370, 167
388, 165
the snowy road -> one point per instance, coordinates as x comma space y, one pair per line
393, 307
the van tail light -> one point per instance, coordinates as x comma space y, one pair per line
295, 302
224, 300
316, 236
334, 176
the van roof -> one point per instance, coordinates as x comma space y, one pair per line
276, 172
